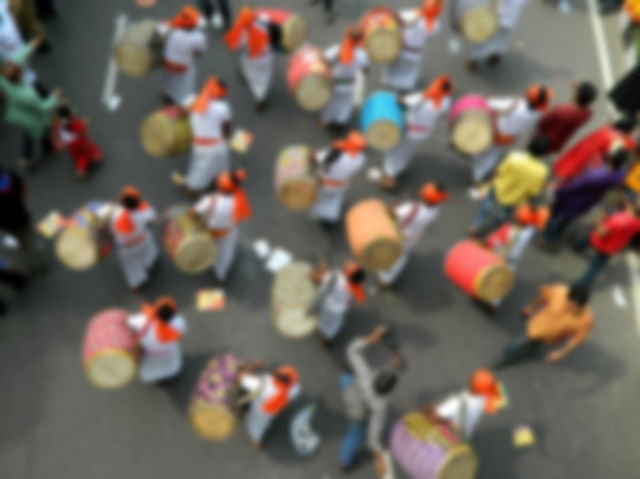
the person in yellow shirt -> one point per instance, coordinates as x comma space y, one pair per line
518, 181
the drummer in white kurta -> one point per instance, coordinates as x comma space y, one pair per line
423, 112
251, 34
159, 328
492, 50
130, 226
185, 41
211, 126
514, 116
339, 290
336, 167
418, 25
346, 60
221, 212
413, 219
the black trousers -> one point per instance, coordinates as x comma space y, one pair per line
520, 349
208, 8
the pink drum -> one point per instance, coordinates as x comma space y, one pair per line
110, 350
309, 78
471, 125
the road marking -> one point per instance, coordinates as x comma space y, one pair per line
619, 298
110, 98
602, 49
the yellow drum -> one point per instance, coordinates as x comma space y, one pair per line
296, 183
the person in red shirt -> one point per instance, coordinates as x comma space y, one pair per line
560, 123
73, 134
592, 149
610, 237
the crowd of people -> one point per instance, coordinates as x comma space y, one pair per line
536, 192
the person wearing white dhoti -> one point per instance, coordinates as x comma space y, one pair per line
135, 246
250, 33
184, 42
13, 48
346, 60
336, 167
339, 289
221, 212
418, 25
423, 110
514, 116
159, 329
413, 218
492, 50
211, 127
272, 393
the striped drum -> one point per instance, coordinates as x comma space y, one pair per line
382, 121
109, 350
212, 409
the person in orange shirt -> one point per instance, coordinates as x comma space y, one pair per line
558, 315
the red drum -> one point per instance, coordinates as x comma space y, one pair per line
309, 78
110, 350
471, 125
478, 271
382, 35
293, 28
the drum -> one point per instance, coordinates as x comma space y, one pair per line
212, 412
292, 294
425, 450
309, 79
478, 271
139, 50
382, 35
471, 125
80, 245
477, 19
293, 28
166, 132
187, 241
296, 184
110, 350
373, 235
382, 121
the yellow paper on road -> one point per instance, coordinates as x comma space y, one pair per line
241, 141
210, 300
51, 224
523, 436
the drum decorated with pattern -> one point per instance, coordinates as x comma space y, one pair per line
295, 180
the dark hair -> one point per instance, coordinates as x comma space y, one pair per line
283, 378
358, 276
64, 111
586, 93
384, 382
626, 124
539, 145
541, 98
579, 294
618, 158
130, 202
165, 313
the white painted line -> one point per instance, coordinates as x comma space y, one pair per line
110, 99
619, 298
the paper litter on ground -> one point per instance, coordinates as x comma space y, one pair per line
51, 224
210, 300
278, 260
374, 175
241, 141
261, 248
523, 436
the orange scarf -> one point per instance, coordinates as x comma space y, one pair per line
163, 332
348, 47
357, 291
212, 90
352, 144
124, 223
258, 38
226, 184
431, 11
280, 399
438, 90
187, 18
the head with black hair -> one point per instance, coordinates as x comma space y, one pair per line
385, 382
354, 272
539, 146
579, 295
618, 158
626, 124
130, 198
585, 94
165, 309
64, 111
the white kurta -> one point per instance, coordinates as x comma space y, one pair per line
340, 106
334, 308
508, 15
137, 251
402, 74
421, 118
463, 410
413, 219
258, 71
216, 210
328, 205
160, 361
11, 41
181, 48
514, 117
208, 160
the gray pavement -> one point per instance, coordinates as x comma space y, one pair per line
54, 425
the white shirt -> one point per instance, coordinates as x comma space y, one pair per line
182, 46
452, 410
343, 168
423, 115
10, 39
141, 220
264, 383
514, 115
415, 32
339, 298
345, 73
209, 124
509, 12
413, 219
216, 210
149, 340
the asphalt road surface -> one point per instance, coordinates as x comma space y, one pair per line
54, 425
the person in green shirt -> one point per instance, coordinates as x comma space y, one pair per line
26, 108
519, 180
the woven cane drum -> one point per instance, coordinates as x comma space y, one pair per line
291, 295
187, 241
295, 181
139, 50
166, 132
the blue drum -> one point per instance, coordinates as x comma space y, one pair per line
382, 121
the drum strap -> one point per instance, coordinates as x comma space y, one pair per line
174, 67
411, 216
462, 416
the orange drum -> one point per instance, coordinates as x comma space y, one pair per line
478, 271
309, 78
382, 35
373, 235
